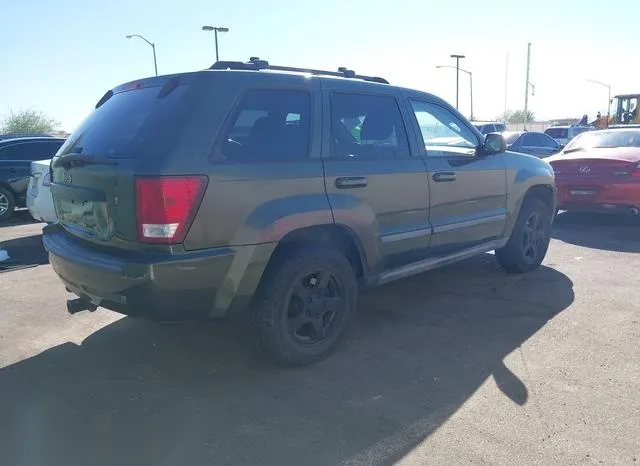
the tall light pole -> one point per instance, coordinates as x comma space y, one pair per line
457, 57
609, 88
506, 82
470, 83
526, 89
153, 46
215, 30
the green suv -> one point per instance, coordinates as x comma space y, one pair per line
281, 191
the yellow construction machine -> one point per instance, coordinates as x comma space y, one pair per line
625, 110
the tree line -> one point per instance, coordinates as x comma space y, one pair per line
29, 122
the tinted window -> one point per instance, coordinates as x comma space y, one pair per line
137, 123
546, 141
367, 126
486, 129
500, 128
560, 133
531, 140
29, 151
442, 131
269, 125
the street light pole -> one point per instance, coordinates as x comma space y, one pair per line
609, 88
457, 57
470, 83
506, 82
215, 30
153, 47
471, 92
526, 89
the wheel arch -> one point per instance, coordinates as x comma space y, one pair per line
335, 236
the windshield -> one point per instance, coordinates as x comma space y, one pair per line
604, 139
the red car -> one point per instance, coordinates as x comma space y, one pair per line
600, 171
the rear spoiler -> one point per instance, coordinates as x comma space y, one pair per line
167, 83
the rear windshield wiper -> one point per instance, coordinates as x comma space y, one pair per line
575, 149
77, 160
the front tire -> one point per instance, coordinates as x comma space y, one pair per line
529, 239
304, 305
7, 204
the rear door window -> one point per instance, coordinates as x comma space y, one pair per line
367, 126
138, 123
531, 140
268, 125
548, 142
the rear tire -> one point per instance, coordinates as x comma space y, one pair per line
529, 239
7, 204
304, 305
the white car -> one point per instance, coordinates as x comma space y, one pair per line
39, 200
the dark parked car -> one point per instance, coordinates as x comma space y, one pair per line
16, 155
281, 191
532, 143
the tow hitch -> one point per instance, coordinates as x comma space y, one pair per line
78, 305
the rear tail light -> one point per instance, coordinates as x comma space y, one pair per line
46, 181
166, 207
636, 173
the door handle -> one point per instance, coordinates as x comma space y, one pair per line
350, 182
444, 176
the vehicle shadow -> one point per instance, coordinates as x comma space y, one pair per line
165, 394
24, 252
609, 232
20, 217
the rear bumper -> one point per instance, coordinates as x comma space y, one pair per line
208, 283
40, 204
607, 196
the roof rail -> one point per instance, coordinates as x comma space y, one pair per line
255, 64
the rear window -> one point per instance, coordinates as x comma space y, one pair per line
500, 128
511, 138
557, 133
136, 123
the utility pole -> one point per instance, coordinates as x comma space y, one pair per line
457, 57
471, 93
506, 80
526, 87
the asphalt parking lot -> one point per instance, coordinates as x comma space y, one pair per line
461, 365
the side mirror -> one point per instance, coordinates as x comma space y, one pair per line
494, 143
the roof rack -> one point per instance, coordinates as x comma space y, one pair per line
255, 64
